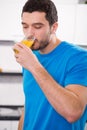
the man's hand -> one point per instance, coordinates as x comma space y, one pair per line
25, 57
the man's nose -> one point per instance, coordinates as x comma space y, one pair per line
30, 32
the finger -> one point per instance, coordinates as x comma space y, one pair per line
17, 48
16, 51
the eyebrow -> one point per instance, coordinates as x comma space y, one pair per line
32, 24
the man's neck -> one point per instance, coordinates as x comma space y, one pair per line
54, 42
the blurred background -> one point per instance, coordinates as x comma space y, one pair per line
72, 27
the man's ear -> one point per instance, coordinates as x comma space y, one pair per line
54, 27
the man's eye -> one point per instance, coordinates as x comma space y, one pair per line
37, 27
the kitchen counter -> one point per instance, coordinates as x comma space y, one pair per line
10, 112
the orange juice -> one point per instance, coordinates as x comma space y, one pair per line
28, 43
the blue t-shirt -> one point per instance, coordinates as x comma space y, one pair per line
67, 64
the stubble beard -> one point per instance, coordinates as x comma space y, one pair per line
41, 44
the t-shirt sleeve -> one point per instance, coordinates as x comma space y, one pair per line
77, 70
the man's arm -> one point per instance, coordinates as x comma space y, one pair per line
20, 125
70, 102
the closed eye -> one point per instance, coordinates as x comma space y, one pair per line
38, 25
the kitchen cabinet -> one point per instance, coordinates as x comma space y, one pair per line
5, 125
81, 24
72, 24
11, 89
82, 1
10, 23
8, 125
65, 1
14, 125
11, 92
66, 21
9, 117
7, 60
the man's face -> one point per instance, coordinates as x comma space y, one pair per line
35, 24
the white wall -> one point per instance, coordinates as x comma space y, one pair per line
70, 23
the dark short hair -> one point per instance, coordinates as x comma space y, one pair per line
46, 6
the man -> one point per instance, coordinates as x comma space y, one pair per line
54, 73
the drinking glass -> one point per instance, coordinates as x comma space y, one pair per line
27, 42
